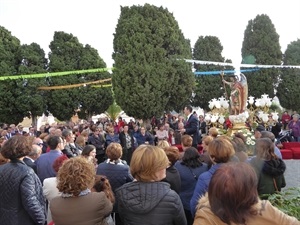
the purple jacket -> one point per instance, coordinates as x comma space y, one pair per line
295, 128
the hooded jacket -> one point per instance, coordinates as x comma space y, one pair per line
270, 175
149, 203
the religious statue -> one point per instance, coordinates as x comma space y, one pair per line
239, 93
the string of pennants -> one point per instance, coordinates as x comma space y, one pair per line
254, 67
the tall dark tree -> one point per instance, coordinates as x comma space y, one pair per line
68, 54
31, 60
94, 99
150, 77
207, 48
261, 42
9, 46
288, 88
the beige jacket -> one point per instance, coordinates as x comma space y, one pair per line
267, 215
90, 209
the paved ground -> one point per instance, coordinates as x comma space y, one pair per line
292, 173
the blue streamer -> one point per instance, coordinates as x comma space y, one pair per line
224, 71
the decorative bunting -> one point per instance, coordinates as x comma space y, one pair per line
240, 65
41, 75
223, 71
73, 85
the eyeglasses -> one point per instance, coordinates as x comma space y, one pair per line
39, 144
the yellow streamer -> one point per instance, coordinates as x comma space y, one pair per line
73, 85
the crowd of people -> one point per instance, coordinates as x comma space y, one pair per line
127, 173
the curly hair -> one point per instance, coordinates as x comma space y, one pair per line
16, 147
102, 184
75, 175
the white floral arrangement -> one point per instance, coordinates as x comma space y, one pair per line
250, 139
240, 118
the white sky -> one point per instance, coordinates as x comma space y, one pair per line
93, 21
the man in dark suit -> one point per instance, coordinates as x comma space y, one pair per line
29, 160
191, 126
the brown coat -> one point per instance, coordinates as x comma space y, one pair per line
266, 215
90, 209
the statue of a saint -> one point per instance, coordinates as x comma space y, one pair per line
239, 93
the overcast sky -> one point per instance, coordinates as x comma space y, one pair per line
94, 21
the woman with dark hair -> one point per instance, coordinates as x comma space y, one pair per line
148, 200
220, 151
172, 175
189, 167
233, 199
89, 152
268, 167
77, 204
116, 171
240, 147
21, 194
50, 190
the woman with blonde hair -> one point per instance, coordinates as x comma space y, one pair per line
144, 200
204, 157
233, 199
213, 132
220, 151
163, 144
77, 204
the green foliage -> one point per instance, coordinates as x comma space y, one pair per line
288, 201
207, 87
261, 42
9, 46
149, 77
67, 54
20, 97
288, 88
113, 111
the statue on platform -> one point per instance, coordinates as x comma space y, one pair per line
239, 93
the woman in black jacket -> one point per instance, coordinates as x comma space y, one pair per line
21, 194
